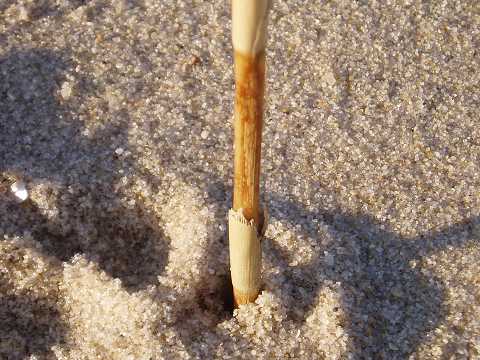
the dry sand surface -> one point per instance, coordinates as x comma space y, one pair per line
118, 117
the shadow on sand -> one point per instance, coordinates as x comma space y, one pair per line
394, 304
41, 140
30, 326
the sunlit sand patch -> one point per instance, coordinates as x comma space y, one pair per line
105, 320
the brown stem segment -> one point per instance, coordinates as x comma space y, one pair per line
250, 88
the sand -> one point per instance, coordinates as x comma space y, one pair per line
117, 115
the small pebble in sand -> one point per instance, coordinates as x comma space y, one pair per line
19, 189
66, 90
204, 134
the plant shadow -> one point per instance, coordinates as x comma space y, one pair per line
392, 305
84, 209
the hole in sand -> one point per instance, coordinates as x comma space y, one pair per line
226, 293
218, 300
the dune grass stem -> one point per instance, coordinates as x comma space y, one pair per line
249, 23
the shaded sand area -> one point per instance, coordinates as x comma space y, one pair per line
118, 117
